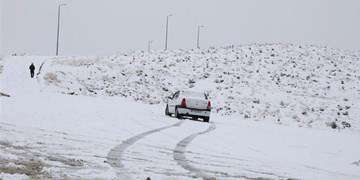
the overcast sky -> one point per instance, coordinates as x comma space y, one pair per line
99, 27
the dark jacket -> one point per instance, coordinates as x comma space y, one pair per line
32, 67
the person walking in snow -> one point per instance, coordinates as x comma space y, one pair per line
32, 70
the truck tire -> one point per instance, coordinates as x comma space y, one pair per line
167, 113
206, 119
177, 115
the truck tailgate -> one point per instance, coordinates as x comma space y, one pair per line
196, 103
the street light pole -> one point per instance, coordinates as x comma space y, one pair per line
58, 28
167, 31
198, 36
149, 45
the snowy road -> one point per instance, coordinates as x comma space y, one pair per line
47, 135
180, 154
115, 155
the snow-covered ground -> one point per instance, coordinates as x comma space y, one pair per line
93, 128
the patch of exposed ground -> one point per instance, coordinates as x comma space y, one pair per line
17, 160
24, 160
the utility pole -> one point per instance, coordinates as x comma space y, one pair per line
149, 45
167, 31
198, 36
58, 28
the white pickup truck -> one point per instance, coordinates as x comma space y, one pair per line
190, 104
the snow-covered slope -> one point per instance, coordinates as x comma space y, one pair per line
285, 83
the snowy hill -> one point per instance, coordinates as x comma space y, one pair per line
284, 83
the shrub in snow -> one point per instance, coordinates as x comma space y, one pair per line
333, 125
51, 78
346, 124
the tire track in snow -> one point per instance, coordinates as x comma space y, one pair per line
180, 158
115, 156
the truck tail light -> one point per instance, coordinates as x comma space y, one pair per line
183, 103
209, 105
